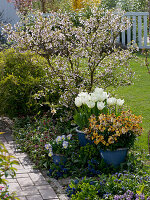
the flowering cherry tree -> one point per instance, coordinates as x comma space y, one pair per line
78, 57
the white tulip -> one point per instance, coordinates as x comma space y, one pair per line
103, 96
90, 104
94, 97
120, 102
98, 90
82, 94
111, 101
84, 97
78, 101
100, 105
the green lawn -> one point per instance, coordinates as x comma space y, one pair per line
137, 97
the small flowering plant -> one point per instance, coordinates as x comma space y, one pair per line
112, 132
60, 145
94, 103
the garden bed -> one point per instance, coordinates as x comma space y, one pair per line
52, 79
136, 165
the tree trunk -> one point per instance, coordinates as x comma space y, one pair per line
43, 3
92, 80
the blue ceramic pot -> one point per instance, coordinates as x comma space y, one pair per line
59, 159
114, 158
82, 139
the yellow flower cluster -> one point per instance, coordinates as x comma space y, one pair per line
113, 127
78, 4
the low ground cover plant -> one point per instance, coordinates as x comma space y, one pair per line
34, 133
117, 186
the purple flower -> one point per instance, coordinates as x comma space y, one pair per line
116, 197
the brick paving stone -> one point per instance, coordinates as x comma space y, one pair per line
62, 196
14, 158
14, 187
17, 150
20, 155
36, 177
27, 192
25, 182
24, 171
41, 183
19, 167
32, 187
22, 198
22, 175
9, 139
11, 152
28, 167
48, 194
25, 160
2, 139
34, 197
43, 187
9, 145
12, 180
52, 199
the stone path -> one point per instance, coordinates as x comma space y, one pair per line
29, 183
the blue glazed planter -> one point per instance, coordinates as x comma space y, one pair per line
82, 139
59, 159
114, 158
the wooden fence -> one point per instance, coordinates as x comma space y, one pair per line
139, 30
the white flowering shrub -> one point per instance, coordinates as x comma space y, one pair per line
78, 57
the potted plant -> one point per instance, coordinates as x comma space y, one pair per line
59, 148
114, 134
93, 103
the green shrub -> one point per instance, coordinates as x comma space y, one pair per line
20, 78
